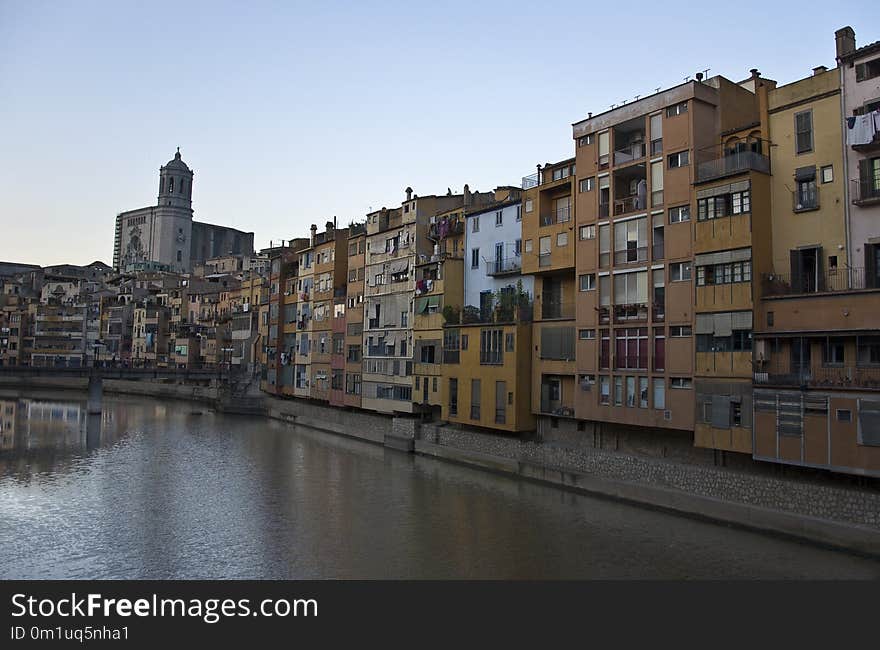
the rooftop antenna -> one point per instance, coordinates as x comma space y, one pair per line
706, 72
613, 106
637, 97
688, 78
657, 90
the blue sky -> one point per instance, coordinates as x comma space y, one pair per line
291, 113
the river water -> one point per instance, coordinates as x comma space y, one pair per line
170, 490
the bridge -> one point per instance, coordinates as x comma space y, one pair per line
97, 374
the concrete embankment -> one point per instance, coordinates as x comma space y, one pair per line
822, 510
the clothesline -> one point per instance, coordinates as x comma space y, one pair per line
862, 129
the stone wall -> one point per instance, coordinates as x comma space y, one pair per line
354, 424
814, 498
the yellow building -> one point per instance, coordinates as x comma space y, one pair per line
485, 365
548, 220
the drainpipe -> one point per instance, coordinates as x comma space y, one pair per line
846, 191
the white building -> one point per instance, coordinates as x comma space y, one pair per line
493, 252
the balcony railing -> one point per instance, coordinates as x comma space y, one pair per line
804, 199
630, 313
491, 357
504, 266
866, 192
639, 254
530, 181
445, 229
551, 309
824, 377
554, 407
784, 284
561, 215
629, 204
733, 164
629, 153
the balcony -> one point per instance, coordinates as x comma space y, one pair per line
658, 312
630, 189
734, 163
445, 228
784, 284
530, 181
866, 192
491, 357
633, 313
553, 217
505, 266
837, 377
805, 199
630, 152
557, 309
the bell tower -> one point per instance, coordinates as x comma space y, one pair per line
175, 184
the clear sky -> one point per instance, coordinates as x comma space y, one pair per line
291, 113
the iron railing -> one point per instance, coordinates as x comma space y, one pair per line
866, 191
785, 284
805, 198
629, 153
504, 266
824, 377
551, 309
734, 163
631, 312
560, 215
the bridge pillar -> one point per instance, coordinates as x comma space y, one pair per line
96, 393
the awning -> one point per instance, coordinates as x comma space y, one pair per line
805, 174
422, 305
723, 257
390, 339
398, 266
718, 190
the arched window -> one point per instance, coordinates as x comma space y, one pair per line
755, 141
170, 185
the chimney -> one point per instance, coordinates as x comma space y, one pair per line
409, 192
819, 69
467, 194
329, 227
314, 230
755, 73
699, 76
845, 41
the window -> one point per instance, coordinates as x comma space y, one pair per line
529, 205
475, 224
508, 342
583, 141
587, 335
604, 245
677, 109
659, 393
827, 174
868, 350
631, 348
631, 241
630, 391
475, 258
517, 247
680, 330
434, 385
643, 392
587, 232
867, 70
656, 183
490, 346
519, 213
679, 271
631, 288
803, 126
679, 159
844, 415
453, 397
528, 246
562, 239
604, 390
680, 214
731, 272
618, 391
604, 149
562, 172
179, 256
427, 354
587, 282
723, 205
499, 218
656, 121
681, 382
475, 399
464, 341
832, 352
587, 184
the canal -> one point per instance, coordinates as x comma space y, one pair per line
171, 490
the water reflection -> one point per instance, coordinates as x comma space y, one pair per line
156, 490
